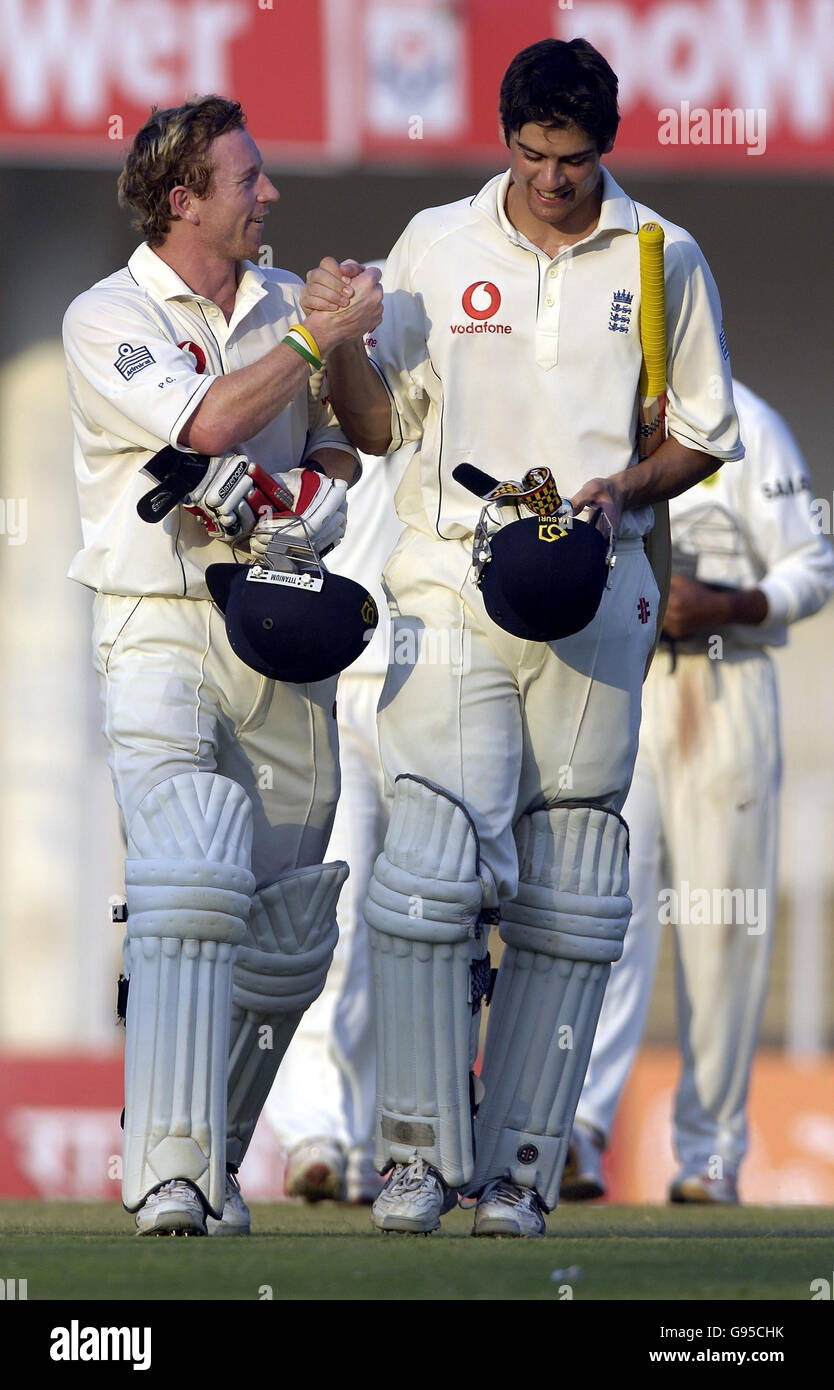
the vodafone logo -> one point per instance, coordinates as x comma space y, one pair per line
194, 350
481, 300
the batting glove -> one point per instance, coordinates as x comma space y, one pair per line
320, 506
220, 501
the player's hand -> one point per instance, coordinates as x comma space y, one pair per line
320, 504
220, 501
692, 608
329, 286
602, 494
362, 315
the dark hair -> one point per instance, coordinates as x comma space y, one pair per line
171, 149
554, 83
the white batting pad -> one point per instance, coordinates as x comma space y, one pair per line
430, 971
280, 969
562, 931
188, 887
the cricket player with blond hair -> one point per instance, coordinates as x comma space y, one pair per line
226, 778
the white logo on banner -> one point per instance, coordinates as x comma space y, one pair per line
77, 54
416, 67
750, 50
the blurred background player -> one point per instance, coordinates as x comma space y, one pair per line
322, 1105
702, 811
231, 914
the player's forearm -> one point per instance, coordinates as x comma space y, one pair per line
748, 606
239, 405
695, 607
669, 471
358, 397
337, 463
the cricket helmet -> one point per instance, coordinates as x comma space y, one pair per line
297, 625
542, 576
542, 580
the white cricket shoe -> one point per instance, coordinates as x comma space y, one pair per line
582, 1178
235, 1220
505, 1209
316, 1171
413, 1199
703, 1190
175, 1209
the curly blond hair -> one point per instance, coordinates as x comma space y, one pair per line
170, 149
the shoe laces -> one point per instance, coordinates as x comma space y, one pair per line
413, 1176
178, 1188
509, 1194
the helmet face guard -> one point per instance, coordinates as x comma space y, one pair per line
298, 624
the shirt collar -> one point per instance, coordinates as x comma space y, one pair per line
154, 274
617, 213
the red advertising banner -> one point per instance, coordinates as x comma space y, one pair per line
60, 1136
705, 84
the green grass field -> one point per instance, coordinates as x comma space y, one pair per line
88, 1251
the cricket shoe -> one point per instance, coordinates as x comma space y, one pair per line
174, 1209
413, 1199
700, 1189
316, 1171
582, 1179
363, 1183
235, 1220
505, 1209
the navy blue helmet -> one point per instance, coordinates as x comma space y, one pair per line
543, 580
297, 626
542, 577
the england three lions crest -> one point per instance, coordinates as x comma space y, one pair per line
619, 315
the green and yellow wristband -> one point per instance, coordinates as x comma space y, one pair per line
301, 340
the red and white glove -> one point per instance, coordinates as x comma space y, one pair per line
221, 500
320, 507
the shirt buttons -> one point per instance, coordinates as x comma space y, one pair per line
549, 300
552, 274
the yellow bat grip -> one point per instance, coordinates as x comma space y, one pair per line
652, 310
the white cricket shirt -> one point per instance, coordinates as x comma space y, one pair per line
142, 349
751, 526
503, 358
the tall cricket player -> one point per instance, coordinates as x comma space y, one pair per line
510, 347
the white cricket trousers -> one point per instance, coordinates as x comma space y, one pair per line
326, 1087
504, 725
177, 699
703, 820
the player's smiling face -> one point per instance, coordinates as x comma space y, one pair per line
556, 181
232, 216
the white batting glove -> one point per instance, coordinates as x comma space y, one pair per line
220, 500
320, 504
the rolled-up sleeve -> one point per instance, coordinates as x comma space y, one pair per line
700, 410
